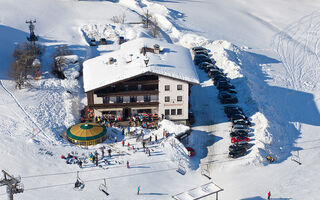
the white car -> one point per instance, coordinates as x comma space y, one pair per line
237, 127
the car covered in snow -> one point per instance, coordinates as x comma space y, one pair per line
232, 108
237, 127
203, 65
214, 72
203, 52
239, 140
223, 85
241, 122
236, 153
237, 146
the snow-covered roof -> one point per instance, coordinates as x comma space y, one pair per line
174, 61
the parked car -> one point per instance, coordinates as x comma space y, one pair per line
208, 67
237, 127
92, 42
224, 85
237, 152
201, 58
225, 95
239, 140
194, 49
241, 122
228, 90
239, 133
237, 116
103, 41
231, 108
203, 65
237, 146
214, 72
231, 100
220, 78
204, 52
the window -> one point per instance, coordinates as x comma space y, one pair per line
119, 99
139, 87
173, 111
179, 98
147, 98
179, 87
106, 100
133, 98
166, 112
167, 87
179, 111
126, 87
167, 99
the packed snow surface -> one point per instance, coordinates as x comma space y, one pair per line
268, 49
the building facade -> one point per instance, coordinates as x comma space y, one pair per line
152, 94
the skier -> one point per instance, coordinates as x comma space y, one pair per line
143, 144
138, 190
109, 152
91, 157
80, 163
102, 152
122, 143
128, 164
149, 152
269, 195
156, 138
97, 160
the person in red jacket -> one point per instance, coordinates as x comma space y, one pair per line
269, 195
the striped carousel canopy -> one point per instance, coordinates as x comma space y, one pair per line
86, 131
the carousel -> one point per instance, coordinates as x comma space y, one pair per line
86, 134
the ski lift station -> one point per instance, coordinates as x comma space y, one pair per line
86, 134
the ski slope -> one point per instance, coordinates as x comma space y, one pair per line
268, 49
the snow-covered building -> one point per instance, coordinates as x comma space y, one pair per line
122, 84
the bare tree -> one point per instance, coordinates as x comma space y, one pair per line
24, 54
154, 28
120, 19
60, 61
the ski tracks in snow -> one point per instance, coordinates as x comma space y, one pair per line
298, 49
26, 114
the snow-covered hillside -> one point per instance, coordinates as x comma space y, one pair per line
269, 50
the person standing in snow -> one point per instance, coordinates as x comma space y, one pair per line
97, 160
122, 143
138, 190
109, 152
156, 138
102, 152
269, 195
128, 166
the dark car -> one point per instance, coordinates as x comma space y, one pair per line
214, 72
228, 90
239, 133
209, 67
203, 52
238, 116
241, 122
194, 49
103, 41
237, 152
232, 100
201, 58
93, 42
225, 95
238, 146
231, 108
220, 78
203, 65
224, 86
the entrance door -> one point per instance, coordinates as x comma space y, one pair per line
126, 113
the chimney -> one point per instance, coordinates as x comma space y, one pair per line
156, 49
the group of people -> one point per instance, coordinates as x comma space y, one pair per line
145, 120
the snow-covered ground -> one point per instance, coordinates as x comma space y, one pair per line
268, 49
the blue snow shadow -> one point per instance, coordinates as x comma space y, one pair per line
153, 193
283, 107
199, 141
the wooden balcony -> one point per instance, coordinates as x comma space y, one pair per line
129, 93
124, 105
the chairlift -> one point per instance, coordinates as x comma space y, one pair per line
79, 184
103, 188
181, 169
296, 158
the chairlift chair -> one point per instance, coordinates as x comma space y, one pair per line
103, 188
181, 169
79, 184
296, 158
